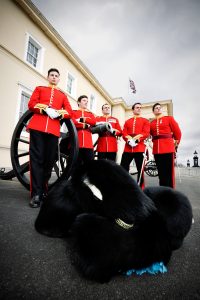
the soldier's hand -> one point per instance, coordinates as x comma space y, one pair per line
52, 113
137, 137
132, 143
176, 145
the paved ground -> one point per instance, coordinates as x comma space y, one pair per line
33, 266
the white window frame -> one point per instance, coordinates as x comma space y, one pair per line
74, 85
92, 105
41, 50
27, 91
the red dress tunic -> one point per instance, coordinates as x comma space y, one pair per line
164, 131
42, 98
107, 142
133, 127
84, 133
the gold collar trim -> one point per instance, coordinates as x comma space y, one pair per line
159, 116
83, 109
53, 86
123, 224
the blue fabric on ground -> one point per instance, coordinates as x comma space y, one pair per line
155, 268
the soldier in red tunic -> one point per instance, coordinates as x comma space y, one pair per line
107, 141
135, 131
166, 136
83, 120
49, 105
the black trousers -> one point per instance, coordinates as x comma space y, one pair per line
107, 155
127, 158
165, 165
43, 149
84, 156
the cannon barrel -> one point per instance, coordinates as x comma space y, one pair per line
99, 128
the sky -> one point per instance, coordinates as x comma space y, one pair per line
156, 43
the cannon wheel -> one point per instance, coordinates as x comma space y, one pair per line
151, 168
19, 151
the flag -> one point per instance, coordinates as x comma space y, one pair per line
132, 86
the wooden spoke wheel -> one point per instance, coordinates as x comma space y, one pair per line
151, 168
65, 159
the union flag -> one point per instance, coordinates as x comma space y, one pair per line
132, 86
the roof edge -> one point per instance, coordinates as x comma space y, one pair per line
34, 13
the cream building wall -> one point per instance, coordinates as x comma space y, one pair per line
16, 26
20, 20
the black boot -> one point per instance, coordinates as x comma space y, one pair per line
35, 201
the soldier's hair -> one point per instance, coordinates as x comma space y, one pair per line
80, 98
104, 105
136, 104
155, 106
53, 70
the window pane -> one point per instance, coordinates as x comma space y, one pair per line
24, 103
70, 82
92, 102
32, 54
